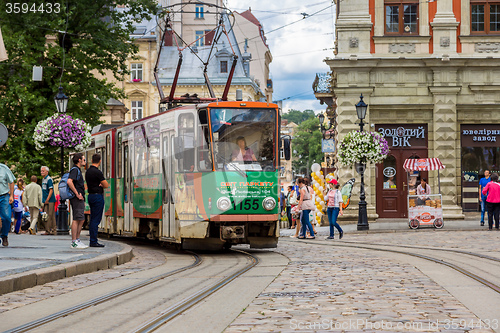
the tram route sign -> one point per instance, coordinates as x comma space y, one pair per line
4, 134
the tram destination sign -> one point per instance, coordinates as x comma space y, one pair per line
404, 135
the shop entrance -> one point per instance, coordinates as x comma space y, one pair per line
392, 183
405, 141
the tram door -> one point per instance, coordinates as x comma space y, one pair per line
169, 227
128, 189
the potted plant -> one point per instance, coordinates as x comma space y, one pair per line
62, 130
362, 146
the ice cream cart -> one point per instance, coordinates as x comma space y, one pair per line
423, 210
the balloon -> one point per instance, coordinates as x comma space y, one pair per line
321, 172
318, 174
315, 167
320, 188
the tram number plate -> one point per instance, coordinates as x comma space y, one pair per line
247, 204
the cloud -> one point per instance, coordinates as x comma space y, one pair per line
298, 49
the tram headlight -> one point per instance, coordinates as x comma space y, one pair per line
223, 203
269, 203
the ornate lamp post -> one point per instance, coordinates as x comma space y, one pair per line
327, 134
61, 101
360, 168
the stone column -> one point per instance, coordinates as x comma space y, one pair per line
353, 28
446, 144
444, 28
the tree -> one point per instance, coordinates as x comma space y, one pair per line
97, 42
306, 145
297, 116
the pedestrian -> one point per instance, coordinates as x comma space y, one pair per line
77, 185
7, 180
49, 201
282, 200
18, 205
492, 192
423, 192
290, 200
96, 183
482, 198
334, 209
306, 205
32, 199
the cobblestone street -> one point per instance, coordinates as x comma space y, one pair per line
350, 290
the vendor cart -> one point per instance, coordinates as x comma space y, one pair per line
423, 210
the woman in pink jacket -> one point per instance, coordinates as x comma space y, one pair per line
492, 190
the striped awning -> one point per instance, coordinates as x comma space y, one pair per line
423, 164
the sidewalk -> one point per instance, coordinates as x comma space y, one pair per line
31, 260
471, 222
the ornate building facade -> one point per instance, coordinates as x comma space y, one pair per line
430, 74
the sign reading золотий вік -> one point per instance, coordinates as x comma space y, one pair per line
404, 135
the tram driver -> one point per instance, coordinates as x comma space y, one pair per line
243, 153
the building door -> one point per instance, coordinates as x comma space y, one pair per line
392, 183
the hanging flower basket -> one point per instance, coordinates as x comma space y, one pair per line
62, 131
366, 147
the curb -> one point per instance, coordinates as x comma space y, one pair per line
41, 276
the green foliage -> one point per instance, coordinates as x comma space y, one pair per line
297, 116
307, 143
97, 43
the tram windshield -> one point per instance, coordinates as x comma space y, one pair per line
244, 139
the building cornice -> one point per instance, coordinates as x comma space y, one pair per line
401, 39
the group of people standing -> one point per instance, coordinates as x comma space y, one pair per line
489, 197
41, 200
301, 201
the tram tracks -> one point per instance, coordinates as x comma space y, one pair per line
447, 262
44, 323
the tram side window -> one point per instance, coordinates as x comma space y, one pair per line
204, 153
119, 156
186, 155
153, 144
108, 156
140, 143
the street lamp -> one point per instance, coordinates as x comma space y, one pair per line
360, 168
61, 101
327, 134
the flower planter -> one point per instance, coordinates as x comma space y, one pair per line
365, 147
62, 130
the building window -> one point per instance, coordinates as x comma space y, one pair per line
485, 17
136, 72
136, 110
223, 66
200, 38
199, 12
401, 18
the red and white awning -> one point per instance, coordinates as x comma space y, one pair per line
422, 164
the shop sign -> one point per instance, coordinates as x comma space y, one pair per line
401, 136
480, 135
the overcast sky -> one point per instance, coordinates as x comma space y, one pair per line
298, 49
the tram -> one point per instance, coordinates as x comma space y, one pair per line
180, 176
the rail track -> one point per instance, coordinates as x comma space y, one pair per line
385, 248
159, 320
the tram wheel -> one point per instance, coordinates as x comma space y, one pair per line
438, 223
414, 224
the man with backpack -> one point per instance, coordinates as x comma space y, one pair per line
77, 185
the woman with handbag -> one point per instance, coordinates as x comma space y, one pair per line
306, 204
334, 198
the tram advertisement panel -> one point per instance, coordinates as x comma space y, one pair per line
147, 196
